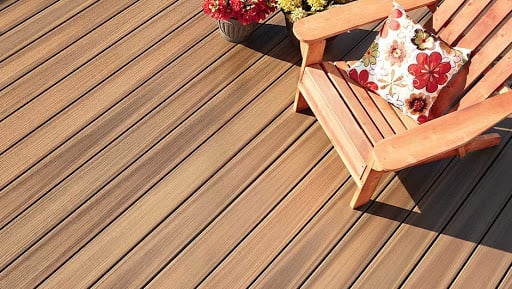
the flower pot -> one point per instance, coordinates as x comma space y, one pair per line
234, 31
289, 27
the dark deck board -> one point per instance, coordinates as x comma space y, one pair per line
138, 147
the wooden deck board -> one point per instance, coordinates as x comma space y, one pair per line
138, 147
393, 263
449, 252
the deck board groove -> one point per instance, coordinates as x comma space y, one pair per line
40, 24
59, 39
15, 12
140, 148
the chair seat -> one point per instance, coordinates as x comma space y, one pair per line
356, 119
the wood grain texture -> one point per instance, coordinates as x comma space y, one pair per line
265, 242
257, 200
141, 147
363, 109
6, 3
62, 36
46, 75
507, 280
292, 267
492, 18
40, 24
87, 77
92, 139
13, 13
88, 217
174, 235
363, 241
160, 162
463, 19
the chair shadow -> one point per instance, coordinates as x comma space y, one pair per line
350, 45
476, 189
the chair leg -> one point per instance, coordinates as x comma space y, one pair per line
300, 103
364, 193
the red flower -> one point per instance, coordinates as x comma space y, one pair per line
391, 23
429, 71
245, 11
362, 77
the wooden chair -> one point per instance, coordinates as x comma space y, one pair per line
366, 131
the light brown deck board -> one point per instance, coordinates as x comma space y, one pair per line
138, 147
13, 12
53, 42
264, 243
507, 280
93, 138
39, 24
182, 273
116, 159
231, 181
357, 248
49, 73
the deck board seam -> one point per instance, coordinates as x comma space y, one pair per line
229, 204
336, 192
94, 155
27, 18
149, 149
109, 77
346, 233
507, 272
276, 205
16, 50
8, 5
21, 75
98, 54
384, 244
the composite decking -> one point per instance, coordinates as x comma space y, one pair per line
139, 148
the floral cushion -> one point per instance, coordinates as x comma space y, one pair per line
407, 65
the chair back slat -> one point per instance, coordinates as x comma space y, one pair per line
462, 20
444, 12
490, 52
492, 18
484, 27
490, 82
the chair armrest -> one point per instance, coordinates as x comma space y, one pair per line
440, 135
349, 16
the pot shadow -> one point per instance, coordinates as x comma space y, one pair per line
461, 198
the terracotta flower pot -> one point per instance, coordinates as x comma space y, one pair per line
234, 31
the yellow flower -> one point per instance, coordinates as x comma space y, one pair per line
317, 5
289, 5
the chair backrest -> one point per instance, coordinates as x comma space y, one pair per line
484, 26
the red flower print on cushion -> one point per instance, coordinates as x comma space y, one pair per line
362, 77
429, 71
391, 23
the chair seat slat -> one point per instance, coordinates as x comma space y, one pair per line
352, 102
336, 119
